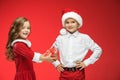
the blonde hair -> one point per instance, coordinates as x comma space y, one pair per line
12, 35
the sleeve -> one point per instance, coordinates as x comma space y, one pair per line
36, 57
57, 42
96, 49
56, 45
56, 63
22, 49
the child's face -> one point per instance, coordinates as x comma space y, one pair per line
25, 30
71, 25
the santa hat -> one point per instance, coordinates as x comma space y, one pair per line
68, 13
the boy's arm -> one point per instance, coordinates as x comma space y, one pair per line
56, 63
97, 51
55, 54
56, 47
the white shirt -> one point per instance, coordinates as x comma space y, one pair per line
74, 47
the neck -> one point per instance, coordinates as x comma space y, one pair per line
72, 32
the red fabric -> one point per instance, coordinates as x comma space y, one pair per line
23, 60
69, 10
52, 50
69, 75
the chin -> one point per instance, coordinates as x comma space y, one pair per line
71, 32
24, 37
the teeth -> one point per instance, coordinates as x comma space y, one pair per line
25, 33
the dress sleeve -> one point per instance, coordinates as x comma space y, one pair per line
23, 50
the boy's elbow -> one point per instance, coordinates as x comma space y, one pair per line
101, 50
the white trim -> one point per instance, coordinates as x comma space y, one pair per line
56, 63
36, 57
73, 15
63, 31
22, 40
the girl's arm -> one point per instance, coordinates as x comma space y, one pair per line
22, 49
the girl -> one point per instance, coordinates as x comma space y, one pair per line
18, 49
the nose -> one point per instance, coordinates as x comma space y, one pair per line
70, 24
27, 30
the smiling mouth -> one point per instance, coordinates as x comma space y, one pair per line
25, 34
70, 27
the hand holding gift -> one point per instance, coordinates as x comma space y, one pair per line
53, 53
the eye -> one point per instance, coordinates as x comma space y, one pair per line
67, 22
73, 21
22, 27
28, 27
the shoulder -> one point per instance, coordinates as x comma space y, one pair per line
20, 46
60, 37
84, 35
21, 42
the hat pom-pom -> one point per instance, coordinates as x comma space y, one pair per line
63, 31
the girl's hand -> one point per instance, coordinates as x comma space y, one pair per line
54, 52
60, 67
55, 55
48, 57
80, 65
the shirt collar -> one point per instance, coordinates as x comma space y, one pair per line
75, 34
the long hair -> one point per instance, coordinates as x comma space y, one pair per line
12, 35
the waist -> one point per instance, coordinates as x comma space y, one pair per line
71, 69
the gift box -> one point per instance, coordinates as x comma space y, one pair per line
51, 50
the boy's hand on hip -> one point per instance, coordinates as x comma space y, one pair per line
60, 67
80, 65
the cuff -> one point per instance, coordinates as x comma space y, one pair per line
86, 62
36, 57
56, 63
90, 61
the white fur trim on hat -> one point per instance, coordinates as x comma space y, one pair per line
63, 31
21, 40
73, 15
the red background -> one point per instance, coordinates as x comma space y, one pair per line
101, 22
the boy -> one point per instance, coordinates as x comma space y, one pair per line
73, 47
